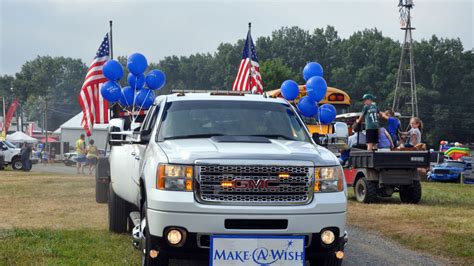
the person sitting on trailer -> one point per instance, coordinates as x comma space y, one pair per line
393, 126
385, 140
414, 134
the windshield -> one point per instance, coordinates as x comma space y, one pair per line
9, 145
203, 119
454, 164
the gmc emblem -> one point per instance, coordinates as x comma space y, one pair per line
261, 183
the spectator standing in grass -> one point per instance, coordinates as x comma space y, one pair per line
81, 154
370, 114
92, 156
45, 156
25, 157
52, 155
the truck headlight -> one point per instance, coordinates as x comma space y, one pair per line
328, 179
174, 177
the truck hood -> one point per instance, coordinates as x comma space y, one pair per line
189, 150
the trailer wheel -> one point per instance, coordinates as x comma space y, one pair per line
411, 194
365, 191
118, 213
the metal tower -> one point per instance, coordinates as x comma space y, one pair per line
405, 99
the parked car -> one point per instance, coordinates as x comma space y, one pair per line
70, 158
450, 171
11, 155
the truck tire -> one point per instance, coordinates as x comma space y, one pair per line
149, 244
102, 181
118, 213
411, 194
17, 164
326, 261
365, 191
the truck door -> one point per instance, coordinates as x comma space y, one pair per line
125, 162
124, 171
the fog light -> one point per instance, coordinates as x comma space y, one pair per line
327, 236
174, 236
153, 253
340, 255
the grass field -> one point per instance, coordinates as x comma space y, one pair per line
53, 219
442, 224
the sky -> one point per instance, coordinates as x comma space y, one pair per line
74, 28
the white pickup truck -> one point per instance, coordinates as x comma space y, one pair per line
11, 155
206, 166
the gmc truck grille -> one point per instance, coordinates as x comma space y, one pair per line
248, 185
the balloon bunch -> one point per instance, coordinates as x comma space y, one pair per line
316, 89
135, 96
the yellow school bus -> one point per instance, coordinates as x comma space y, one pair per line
339, 98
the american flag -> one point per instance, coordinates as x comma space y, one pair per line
249, 78
95, 108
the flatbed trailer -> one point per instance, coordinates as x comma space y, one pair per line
381, 173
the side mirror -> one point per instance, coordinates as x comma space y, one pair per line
117, 123
316, 138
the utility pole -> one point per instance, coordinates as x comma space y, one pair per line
46, 124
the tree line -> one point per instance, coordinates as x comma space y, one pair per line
366, 61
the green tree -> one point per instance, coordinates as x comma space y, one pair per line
55, 80
275, 72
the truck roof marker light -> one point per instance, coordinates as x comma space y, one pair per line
227, 184
284, 175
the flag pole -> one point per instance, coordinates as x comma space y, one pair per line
249, 50
110, 40
115, 107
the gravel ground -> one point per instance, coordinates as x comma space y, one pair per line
364, 248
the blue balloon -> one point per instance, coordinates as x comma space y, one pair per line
307, 107
136, 82
113, 70
312, 69
290, 90
327, 115
127, 97
111, 91
155, 79
330, 106
137, 64
144, 98
316, 88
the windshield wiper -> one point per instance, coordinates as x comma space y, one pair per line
194, 136
274, 136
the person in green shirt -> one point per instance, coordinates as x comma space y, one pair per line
370, 114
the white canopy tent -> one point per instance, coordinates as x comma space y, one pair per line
20, 137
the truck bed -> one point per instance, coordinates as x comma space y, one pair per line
389, 159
